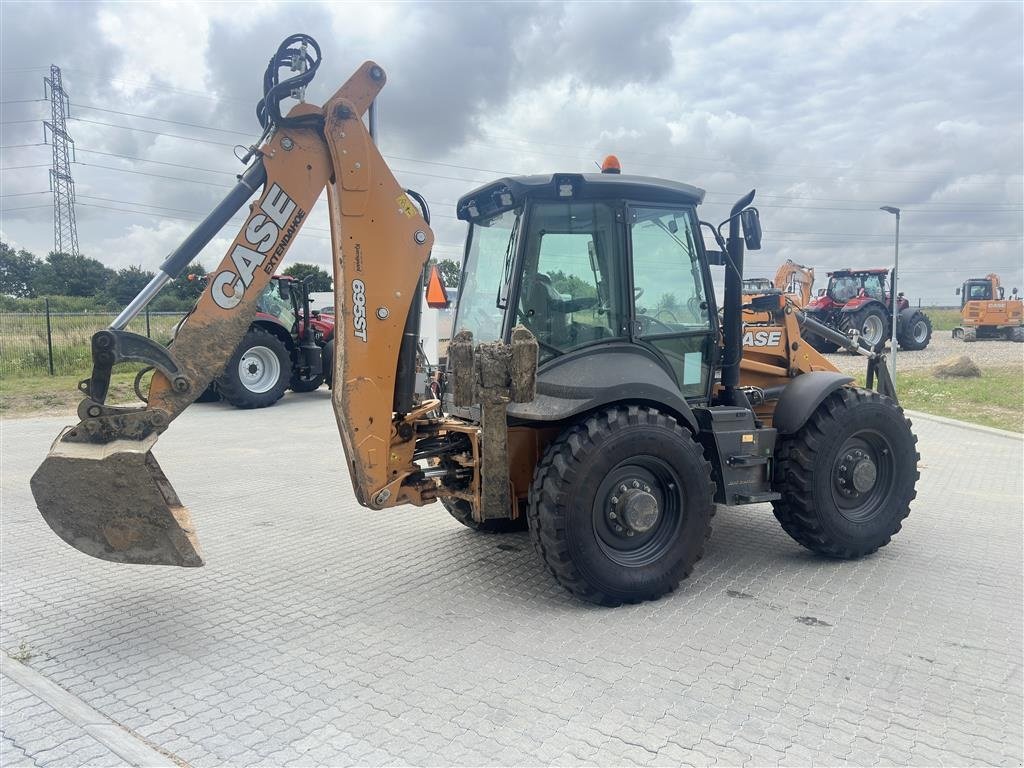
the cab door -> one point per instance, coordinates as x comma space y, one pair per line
671, 312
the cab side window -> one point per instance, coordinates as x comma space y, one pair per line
570, 295
873, 287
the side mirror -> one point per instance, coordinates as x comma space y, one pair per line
957, 291
751, 228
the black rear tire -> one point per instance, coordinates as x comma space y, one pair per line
871, 318
667, 504
304, 385
267, 364
461, 511
917, 332
822, 345
847, 477
1017, 334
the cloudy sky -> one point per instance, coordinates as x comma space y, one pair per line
830, 110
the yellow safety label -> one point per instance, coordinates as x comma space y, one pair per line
405, 205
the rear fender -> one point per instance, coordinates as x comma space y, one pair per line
802, 396
275, 328
858, 303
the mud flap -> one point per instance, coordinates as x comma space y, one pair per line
112, 501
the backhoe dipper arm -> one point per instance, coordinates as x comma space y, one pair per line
100, 488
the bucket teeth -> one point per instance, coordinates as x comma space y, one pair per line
114, 502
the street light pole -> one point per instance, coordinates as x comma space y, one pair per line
892, 289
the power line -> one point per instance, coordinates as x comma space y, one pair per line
154, 133
466, 167
164, 120
718, 161
157, 162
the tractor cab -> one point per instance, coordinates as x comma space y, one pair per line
607, 271
846, 285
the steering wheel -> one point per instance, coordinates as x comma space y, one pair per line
671, 315
695, 307
646, 321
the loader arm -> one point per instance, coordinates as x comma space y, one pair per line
100, 488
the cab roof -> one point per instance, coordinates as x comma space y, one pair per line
510, 192
849, 271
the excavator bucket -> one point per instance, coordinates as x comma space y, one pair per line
113, 502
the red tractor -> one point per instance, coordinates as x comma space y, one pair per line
280, 350
856, 301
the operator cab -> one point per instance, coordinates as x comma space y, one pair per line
978, 290
605, 270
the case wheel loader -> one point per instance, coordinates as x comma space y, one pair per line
594, 389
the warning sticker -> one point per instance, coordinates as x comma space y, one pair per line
405, 205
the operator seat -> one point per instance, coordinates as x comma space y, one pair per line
544, 315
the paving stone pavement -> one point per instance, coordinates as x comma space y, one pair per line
323, 633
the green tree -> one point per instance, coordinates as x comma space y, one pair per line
321, 281
17, 272
450, 271
571, 284
127, 283
64, 274
185, 290
667, 303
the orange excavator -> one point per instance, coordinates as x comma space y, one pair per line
987, 313
595, 394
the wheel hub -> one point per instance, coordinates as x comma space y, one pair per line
856, 473
872, 330
633, 509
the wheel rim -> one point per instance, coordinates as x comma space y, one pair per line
863, 475
259, 369
920, 331
638, 511
872, 329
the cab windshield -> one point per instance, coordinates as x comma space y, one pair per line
484, 286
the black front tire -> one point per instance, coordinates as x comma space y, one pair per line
847, 477
267, 365
669, 499
917, 332
461, 511
871, 317
209, 395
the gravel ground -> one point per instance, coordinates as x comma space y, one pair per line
986, 354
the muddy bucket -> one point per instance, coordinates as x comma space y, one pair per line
112, 501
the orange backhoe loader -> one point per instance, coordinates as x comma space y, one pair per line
986, 313
594, 393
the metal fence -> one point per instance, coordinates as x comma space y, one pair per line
56, 343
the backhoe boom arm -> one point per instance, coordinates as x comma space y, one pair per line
100, 488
